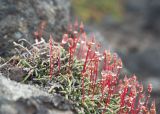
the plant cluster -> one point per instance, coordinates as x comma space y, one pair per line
79, 71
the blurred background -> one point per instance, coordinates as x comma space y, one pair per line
132, 29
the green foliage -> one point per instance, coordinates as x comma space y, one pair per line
66, 82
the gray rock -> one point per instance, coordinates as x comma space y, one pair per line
16, 98
146, 63
149, 10
135, 5
152, 17
12, 90
20, 18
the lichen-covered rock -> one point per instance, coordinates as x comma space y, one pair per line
20, 18
16, 98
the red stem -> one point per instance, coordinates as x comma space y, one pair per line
59, 61
51, 57
95, 79
83, 73
70, 54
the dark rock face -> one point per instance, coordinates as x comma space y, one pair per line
146, 62
149, 9
20, 18
135, 5
152, 16
16, 98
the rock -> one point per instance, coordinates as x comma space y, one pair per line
145, 63
13, 72
34, 105
16, 98
150, 12
16, 73
152, 17
135, 5
20, 18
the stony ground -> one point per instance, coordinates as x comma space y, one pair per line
16, 98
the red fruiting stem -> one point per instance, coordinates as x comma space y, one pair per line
117, 76
59, 60
153, 108
83, 47
71, 50
83, 91
39, 32
147, 99
91, 79
83, 72
139, 102
81, 27
105, 61
79, 52
70, 54
65, 39
149, 88
51, 56
70, 28
76, 24
107, 100
91, 60
36, 36
92, 70
95, 78
114, 59
149, 92
132, 106
102, 88
122, 97
140, 88
41, 28
86, 60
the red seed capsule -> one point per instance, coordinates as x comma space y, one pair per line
140, 88
81, 27
65, 39
149, 87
